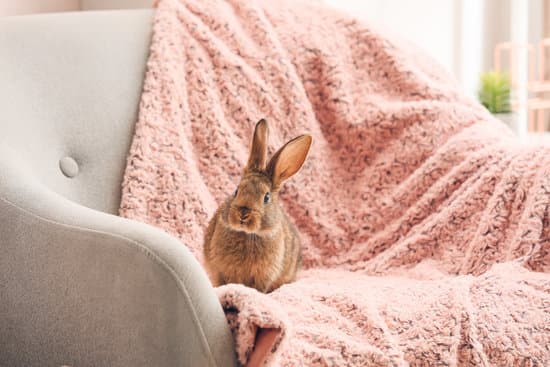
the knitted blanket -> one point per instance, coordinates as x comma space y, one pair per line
425, 224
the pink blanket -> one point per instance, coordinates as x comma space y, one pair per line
425, 223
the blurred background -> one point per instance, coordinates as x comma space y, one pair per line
461, 34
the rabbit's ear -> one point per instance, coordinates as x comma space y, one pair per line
258, 151
288, 160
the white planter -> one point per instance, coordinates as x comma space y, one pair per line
510, 119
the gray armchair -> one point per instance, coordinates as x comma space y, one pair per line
80, 286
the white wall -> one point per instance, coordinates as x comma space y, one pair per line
19, 7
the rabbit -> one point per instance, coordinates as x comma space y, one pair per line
250, 239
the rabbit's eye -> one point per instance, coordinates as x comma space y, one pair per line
236, 191
266, 198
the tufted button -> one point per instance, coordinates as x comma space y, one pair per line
68, 166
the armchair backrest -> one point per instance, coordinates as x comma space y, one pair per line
70, 85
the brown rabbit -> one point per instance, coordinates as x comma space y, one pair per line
250, 240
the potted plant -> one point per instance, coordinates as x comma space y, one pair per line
494, 94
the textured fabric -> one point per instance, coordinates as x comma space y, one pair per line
424, 222
70, 88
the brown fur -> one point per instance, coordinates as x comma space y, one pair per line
247, 240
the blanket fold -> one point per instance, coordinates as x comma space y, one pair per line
425, 223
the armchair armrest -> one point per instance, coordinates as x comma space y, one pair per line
82, 288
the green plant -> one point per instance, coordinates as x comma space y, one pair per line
494, 93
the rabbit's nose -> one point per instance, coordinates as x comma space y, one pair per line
244, 210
